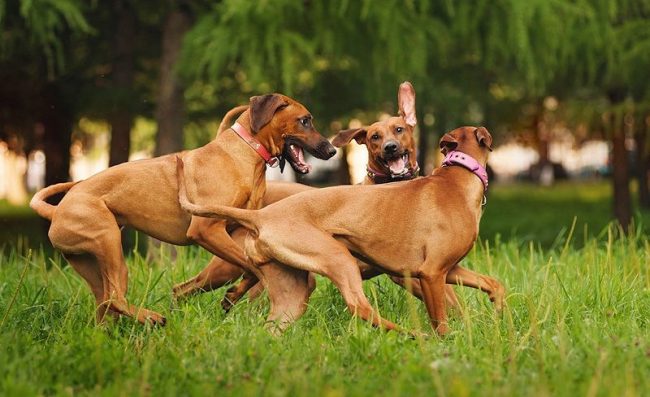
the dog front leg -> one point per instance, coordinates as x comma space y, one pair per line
212, 235
432, 290
217, 274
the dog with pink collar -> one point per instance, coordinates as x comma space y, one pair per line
421, 228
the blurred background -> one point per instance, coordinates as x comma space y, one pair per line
563, 86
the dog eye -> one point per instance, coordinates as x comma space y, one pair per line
399, 129
374, 137
305, 121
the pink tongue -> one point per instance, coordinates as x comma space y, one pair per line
300, 156
396, 166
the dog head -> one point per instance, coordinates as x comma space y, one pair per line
390, 143
475, 141
284, 126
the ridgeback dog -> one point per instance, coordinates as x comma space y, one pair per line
425, 228
391, 158
229, 170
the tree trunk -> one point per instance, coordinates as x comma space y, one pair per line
543, 170
56, 121
121, 117
620, 174
643, 160
170, 111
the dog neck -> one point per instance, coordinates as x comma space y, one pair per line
470, 176
243, 133
465, 160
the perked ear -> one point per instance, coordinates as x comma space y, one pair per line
448, 143
262, 108
483, 137
406, 103
345, 136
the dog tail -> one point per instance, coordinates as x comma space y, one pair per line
246, 218
226, 121
40, 206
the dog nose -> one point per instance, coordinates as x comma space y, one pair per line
326, 149
331, 151
390, 147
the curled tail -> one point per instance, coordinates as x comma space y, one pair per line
39, 204
246, 218
226, 120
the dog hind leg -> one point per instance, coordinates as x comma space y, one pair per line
289, 290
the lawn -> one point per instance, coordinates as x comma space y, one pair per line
576, 322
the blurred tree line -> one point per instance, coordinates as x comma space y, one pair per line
185, 62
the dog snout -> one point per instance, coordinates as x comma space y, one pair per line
390, 147
331, 151
327, 149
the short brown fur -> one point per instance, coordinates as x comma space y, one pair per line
220, 272
144, 194
431, 228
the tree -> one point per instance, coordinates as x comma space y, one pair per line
624, 60
123, 63
170, 110
36, 81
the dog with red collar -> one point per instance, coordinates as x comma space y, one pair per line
391, 149
432, 223
391, 158
144, 195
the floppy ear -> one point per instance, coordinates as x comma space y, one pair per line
406, 103
263, 107
483, 137
345, 136
448, 143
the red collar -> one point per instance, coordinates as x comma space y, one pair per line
255, 145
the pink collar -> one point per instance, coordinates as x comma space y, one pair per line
255, 144
469, 162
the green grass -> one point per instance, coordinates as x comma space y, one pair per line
540, 214
576, 323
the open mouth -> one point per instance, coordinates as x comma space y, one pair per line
296, 157
397, 165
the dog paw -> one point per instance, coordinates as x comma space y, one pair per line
152, 318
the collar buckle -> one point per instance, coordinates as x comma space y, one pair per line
273, 162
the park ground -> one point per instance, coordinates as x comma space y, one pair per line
576, 322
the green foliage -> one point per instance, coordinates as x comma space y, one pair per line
461, 56
42, 23
576, 323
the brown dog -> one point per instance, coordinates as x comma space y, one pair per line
143, 194
391, 158
424, 233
